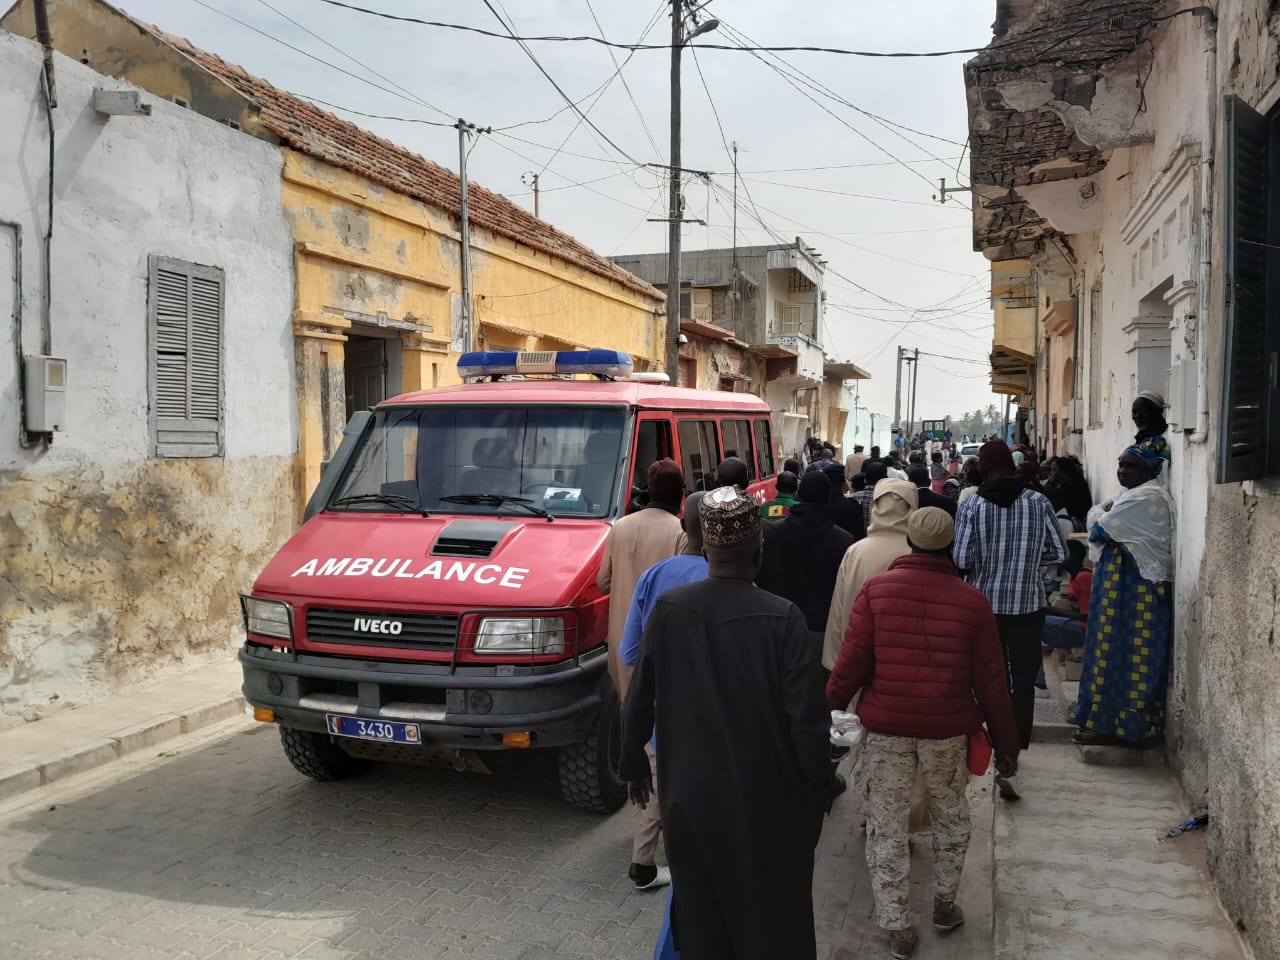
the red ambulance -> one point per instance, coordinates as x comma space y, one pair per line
440, 600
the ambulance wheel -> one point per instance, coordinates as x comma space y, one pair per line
315, 755
589, 777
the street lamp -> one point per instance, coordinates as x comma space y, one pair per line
675, 213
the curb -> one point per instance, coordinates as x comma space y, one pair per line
17, 780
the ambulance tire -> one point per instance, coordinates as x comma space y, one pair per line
316, 756
588, 771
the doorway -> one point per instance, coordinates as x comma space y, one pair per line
371, 371
366, 373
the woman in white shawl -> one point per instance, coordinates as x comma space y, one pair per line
1126, 658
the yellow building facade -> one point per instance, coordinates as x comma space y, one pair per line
377, 242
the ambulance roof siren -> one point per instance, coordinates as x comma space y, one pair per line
603, 364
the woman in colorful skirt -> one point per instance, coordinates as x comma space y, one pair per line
1126, 654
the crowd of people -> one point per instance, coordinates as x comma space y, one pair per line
922, 596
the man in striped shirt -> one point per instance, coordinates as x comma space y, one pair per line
1005, 536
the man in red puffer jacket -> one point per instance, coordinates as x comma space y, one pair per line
927, 682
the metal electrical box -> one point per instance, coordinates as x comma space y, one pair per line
46, 393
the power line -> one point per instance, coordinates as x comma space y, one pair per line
583, 185
550, 79
743, 40
892, 126
827, 91
658, 46
308, 54
617, 73
338, 50
372, 116
842, 166
845, 193
626, 86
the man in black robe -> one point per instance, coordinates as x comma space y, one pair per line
730, 674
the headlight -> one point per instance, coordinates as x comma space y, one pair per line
270, 618
528, 635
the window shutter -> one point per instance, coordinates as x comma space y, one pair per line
186, 358
1242, 431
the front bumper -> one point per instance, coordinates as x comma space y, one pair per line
461, 708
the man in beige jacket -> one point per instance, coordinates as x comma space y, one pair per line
885, 542
636, 543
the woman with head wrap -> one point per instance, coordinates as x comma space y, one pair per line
1148, 416
1126, 658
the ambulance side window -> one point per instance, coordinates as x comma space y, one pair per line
699, 453
764, 447
653, 442
737, 443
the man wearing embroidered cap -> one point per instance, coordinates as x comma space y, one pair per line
728, 676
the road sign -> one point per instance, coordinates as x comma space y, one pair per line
934, 429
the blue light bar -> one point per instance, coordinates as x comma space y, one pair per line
497, 363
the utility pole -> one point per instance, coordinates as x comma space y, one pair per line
897, 393
465, 130
736, 287
915, 377
675, 209
531, 180
673, 199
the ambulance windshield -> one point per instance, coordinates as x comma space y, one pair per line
478, 460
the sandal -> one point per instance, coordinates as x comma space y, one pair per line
1087, 738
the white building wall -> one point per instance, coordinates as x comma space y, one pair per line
118, 564
1224, 699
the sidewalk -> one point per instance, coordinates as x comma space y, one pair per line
34, 755
1082, 867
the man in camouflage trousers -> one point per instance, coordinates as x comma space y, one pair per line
927, 683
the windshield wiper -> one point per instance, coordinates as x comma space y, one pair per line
399, 502
497, 500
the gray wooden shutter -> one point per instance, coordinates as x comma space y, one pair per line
186, 309
1242, 431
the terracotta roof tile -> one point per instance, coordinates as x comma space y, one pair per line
310, 130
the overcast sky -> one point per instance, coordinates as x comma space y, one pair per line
908, 252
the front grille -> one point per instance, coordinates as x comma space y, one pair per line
372, 628
454, 547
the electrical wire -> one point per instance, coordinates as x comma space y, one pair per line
818, 86
621, 76
308, 54
845, 193
550, 79
585, 186
338, 50
617, 73
838, 166
666, 46
795, 84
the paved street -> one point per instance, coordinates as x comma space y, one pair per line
222, 850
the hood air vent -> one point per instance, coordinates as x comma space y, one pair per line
470, 538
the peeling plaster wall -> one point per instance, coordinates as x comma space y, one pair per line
1224, 698
116, 565
1229, 738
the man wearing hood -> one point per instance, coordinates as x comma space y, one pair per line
845, 512
886, 541
688, 566
1005, 535
803, 551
